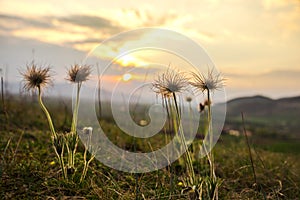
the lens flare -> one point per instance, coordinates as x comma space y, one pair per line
127, 77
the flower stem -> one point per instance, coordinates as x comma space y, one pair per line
86, 165
72, 150
61, 161
62, 166
46, 113
210, 133
70, 158
75, 112
189, 161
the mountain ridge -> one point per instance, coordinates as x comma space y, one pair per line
276, 115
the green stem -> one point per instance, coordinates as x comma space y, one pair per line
61, 162
75, 112
46, 112
70, 158
83, 172
171, 117
62, 166
166, 105
187, 153
73, 157
210, 133
191, 119
86, 165
72, 152
68, 151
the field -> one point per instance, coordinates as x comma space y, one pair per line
29, 168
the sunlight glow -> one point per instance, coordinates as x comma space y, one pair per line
126, 77
126, 60
249, 43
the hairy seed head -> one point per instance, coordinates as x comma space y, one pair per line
169, 82
36, 77
77, 73
210, 82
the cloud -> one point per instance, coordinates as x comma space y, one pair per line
171, 19
135, 17
93, 22
80, 32
9, 21
84, 32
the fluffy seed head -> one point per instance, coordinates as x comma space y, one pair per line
169, 82
210, 82
36, 77
77, 73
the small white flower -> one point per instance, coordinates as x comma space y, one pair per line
87, 130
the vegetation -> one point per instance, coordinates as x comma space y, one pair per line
30, 170
241, 166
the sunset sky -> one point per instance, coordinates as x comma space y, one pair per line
255, 44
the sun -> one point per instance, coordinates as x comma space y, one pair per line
127, 60
126, 77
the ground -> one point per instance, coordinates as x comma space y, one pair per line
29, 168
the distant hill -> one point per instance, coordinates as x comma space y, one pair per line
261, 106
275, 115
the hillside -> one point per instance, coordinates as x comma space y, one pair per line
280, 116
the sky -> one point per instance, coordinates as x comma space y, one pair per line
254, 44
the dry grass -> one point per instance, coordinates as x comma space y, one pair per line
29, 169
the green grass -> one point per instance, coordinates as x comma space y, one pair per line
29, 168
292, 147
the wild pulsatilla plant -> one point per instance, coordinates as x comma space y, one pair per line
36, 79
168, 85
89, 147
59, 145
76, 74
207, 84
